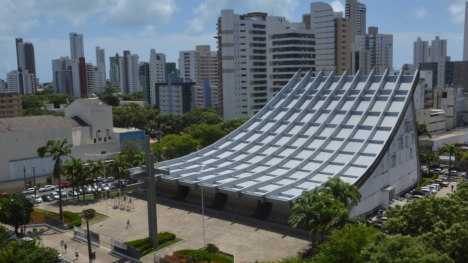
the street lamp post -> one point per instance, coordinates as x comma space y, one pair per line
88, 216
203, 208
104, 171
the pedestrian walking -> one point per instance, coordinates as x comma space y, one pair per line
65, 246
128, 223
76, 254
452, 187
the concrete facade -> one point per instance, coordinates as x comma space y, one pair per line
199, 64
10, 105
206, 96
356, 12
452, 101
76, 46
435, 120
129, 77
22, 82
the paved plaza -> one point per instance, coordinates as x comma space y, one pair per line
248, 239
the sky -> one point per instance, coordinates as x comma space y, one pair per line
170, 26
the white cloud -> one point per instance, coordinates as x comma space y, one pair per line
457, 10
74, 11
420, 13
17, 18
337, 6
148, 32
209, 10
140, 12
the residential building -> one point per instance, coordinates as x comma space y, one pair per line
423, 92
76, 46
356, 12
145, 81
90, 79
22, 82
447, 73
3, 87
66, 76
206, 96
171, 68
380, 55
100, 70
343, 40
420, 52
25, 56
10, 104
290, 47
129, 73
174, 97
423, 52
241, 62
321, 21
157, 69
83, 75
199, 64
434, 119
452, 100
51, 107
114, 71
87, 125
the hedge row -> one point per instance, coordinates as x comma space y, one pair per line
74, 217
205, 255
144, 244
427, 182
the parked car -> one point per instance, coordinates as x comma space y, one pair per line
64, 193
47, 198
66, 184
35, 199
12, 235
428, 189
105, 187
47, 188
55, 195
453, 173
445, 184
29, 191
421, 193
59, 256
437, 186
73, 193
111, 186
4, 195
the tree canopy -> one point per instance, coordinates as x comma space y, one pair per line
15, 210
174, 146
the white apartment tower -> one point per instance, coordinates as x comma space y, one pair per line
100, 70
90, 78
291, 46
21, 82
420, 52
321, 21
438, 49
372, 50
129, 73
76, 46
357, 13
157, 69
199, 64
242, 63
384, 53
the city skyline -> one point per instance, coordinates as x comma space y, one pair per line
175, 25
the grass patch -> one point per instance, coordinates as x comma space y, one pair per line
220, 254
145, 247
75, 219
37, 216
207, 256
97, 217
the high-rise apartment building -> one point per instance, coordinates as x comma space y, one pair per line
372, 50
83, 75
290, 47
242, 62
438, 49
129, 73
145, 81
114, 71
2, 86
356, 12
22, 82
90, 78
173, 97
343, 40
199, 64
420, 52
157, 68
10, 105
171, 68
206, 96
100, 70
76, 46
25, 56
423, 52
63, 79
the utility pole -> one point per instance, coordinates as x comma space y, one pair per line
87, 215
34, 172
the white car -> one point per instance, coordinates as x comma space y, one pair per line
437, 186
55, 195
428, 189
64, 193
29, 191
47, 188
35, 199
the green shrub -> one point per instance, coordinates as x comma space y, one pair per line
144, 244
212, 248
74, 217
89, 211
165, 236
427, 181
205, 255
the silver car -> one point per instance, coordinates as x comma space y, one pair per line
29, 191
47, 188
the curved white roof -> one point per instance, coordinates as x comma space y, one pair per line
315, 128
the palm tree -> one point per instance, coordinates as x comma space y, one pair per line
451, 149
429, 157
119, 167
422, 130
95, 168
464, 159
67, 170
57, 149
139, 159
342, 191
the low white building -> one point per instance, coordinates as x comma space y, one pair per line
423, 93
452, 101
87, 125
435, 120
51, 107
